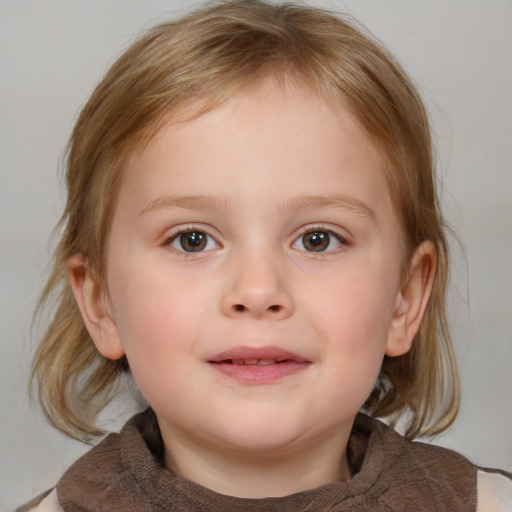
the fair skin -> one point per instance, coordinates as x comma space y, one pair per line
253, 282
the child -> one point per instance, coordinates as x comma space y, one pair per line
252, 234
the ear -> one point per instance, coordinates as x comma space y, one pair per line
411, 301
92, 303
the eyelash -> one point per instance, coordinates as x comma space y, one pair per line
321, 229
168, 242
341, 240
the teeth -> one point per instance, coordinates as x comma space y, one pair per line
254, 362
266, 361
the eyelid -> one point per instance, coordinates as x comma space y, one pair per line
338, 232
168, 239
309, 228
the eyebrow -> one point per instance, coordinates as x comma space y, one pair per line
352, 204
219, 203
191, 202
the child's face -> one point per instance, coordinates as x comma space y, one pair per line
260, 231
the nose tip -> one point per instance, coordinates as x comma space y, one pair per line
257, 289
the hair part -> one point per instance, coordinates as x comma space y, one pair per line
190, 66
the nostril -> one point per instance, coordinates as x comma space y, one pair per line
240, 308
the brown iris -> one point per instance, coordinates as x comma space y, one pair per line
193, 241
316, 241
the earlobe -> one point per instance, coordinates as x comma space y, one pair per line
412, 300
90, 299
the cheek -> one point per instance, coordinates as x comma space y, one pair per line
358, 300
157, 317
352, 313
355, 346
158, 341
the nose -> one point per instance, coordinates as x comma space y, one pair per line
257, 288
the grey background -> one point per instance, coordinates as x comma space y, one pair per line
53, 52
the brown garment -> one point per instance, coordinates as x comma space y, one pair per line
125, 473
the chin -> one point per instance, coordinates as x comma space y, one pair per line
263, 438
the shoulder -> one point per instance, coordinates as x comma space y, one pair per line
433, 462
46, 502
414, 475
448, 473
493, 486
494, 491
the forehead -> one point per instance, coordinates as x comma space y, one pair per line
285, 136
260, 111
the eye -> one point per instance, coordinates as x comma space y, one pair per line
193, 241
318, 240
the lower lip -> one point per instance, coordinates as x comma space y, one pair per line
260, 374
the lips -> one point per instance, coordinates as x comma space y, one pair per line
258, 365
250, 355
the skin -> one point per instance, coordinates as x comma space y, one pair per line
256, 175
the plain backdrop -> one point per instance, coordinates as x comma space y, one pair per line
459, 52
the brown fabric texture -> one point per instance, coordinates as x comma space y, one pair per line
125, 473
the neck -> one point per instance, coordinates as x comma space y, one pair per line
249, 476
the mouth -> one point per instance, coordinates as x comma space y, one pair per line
251, 362
258, 365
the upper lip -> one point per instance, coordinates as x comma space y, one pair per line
265, 353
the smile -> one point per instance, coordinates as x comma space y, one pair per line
253, 362
258, 365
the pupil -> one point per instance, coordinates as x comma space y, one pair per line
193, 241
316, 241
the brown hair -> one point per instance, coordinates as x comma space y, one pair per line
203, 59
